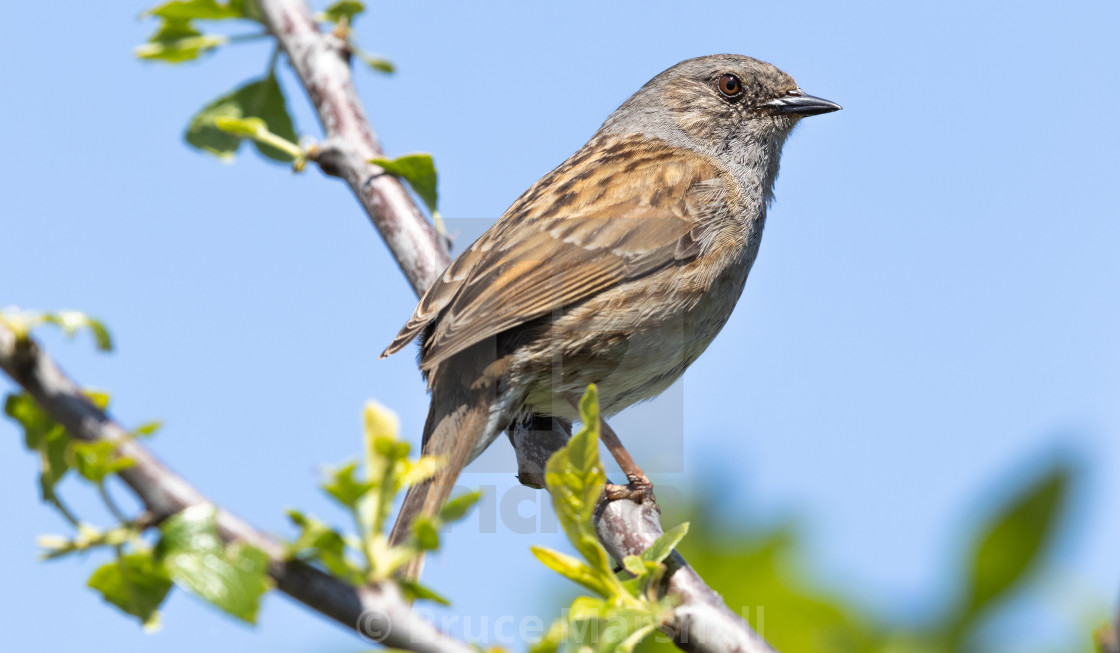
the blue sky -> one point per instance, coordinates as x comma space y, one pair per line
933, 312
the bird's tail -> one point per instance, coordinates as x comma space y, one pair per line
457, 419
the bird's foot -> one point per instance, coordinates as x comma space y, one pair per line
639, 490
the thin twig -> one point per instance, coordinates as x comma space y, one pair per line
110, 503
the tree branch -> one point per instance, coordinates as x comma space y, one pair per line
377, 612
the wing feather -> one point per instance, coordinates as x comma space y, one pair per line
632, 211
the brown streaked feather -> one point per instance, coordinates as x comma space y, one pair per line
563, 241
437, 297
461, 402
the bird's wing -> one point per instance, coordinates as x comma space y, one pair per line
611, 213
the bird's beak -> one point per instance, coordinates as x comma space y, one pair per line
800, 104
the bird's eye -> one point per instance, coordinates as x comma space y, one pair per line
730, 86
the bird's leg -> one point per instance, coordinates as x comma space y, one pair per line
639, 487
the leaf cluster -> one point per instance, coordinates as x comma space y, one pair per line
367, 495
257, 109
628, 605
22, 322
188, 550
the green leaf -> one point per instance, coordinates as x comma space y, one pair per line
245, 127
73, 321
575, 479
147, 428
314, 536
43, 435
419, 470
26, 412
385, 456
419, 170
572, 569
257, 130
414, 590
136, 583
100, 335
627, 627
177, 41
344, 487
1012, 543
262, 99
584, 608
231, 577
96, 460
198, 9
388, 446
54, 462
634, 565
318, 542
592, 550
604, 628
98, 398
455, 509
664, 545
427, 535
380, 64
343, 9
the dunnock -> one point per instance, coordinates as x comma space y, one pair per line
617, 268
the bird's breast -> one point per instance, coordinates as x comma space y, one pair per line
634, 340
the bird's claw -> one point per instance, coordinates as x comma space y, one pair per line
639, 490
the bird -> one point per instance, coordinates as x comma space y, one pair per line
617, 268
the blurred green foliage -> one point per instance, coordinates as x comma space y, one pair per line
367, 494
760, 576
